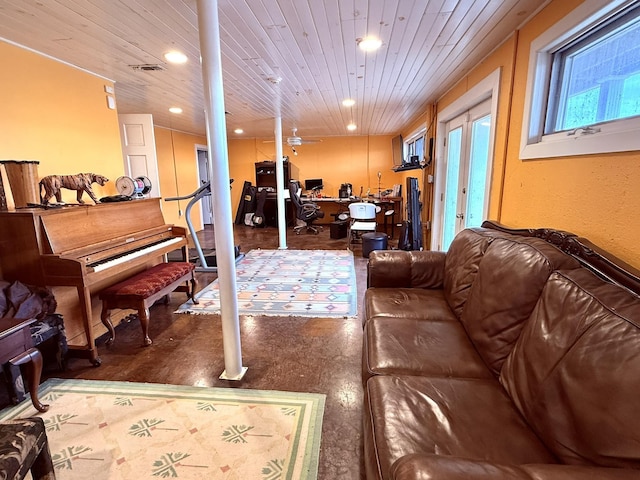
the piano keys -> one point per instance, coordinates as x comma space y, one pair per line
80, 250
128, 257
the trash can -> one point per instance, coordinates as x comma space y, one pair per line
373, 241
338, 229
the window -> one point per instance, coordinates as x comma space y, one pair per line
415, 146
583, 92
597, 77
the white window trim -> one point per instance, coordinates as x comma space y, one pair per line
421, 132
614, 136
489, 87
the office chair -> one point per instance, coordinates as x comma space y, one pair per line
363, 219
306, 212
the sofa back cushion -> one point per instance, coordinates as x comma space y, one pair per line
461, 265
574, 372
510, 278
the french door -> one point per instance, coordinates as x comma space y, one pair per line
467, 159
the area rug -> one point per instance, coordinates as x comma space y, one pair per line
119, 430
307, 283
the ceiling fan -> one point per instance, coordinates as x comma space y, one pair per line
295, 141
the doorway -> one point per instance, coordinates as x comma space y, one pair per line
206, 205
466, 155
139, 149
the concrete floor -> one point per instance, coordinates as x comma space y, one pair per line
319, 355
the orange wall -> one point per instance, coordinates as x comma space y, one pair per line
501, 59
426, 189
351, 159
591, 195
57, 115
178, 178
594, 196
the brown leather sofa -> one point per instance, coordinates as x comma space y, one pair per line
504, 358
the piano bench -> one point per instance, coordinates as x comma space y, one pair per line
144, 289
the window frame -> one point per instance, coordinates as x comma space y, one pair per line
409, 145
611, 136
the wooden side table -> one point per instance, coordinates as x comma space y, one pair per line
16, 349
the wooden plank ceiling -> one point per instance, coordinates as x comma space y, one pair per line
310, 45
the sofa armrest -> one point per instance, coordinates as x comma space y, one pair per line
424, 466
408, 269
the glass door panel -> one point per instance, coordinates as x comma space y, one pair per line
454, 150
478, 162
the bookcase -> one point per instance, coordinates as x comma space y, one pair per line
266, 178
266, 174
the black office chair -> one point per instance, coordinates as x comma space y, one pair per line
306, 212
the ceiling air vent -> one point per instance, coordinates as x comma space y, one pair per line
148, 67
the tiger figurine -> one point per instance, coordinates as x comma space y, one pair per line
81, 182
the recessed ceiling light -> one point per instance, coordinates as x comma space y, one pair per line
238, 131
351, 127
348, 102
175, 110
175, 57
369, 44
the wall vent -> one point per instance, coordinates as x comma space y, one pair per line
148, 67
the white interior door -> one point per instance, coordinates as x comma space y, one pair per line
467, 159
139, 148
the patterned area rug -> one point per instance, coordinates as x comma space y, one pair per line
306, 283
120, 430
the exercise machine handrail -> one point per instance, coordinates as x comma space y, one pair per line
196, 196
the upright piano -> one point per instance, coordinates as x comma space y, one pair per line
81, 249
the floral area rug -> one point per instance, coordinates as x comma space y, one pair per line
306, 283
119, 430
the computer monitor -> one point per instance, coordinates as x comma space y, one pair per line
312, 183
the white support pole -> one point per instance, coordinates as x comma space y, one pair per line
282, 218
209, 32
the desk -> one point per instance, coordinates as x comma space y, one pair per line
16, 348
271, 211
335, 205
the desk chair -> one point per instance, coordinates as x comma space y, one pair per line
363, 219
306, 212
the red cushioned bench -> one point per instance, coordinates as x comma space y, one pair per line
144, 289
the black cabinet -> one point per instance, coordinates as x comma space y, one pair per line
266, 178
266, 175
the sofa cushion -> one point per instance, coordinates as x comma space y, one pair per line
470, 418
441, 467
461, 265
415, 303
407, 346
400, 268
511, 275
574, 373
